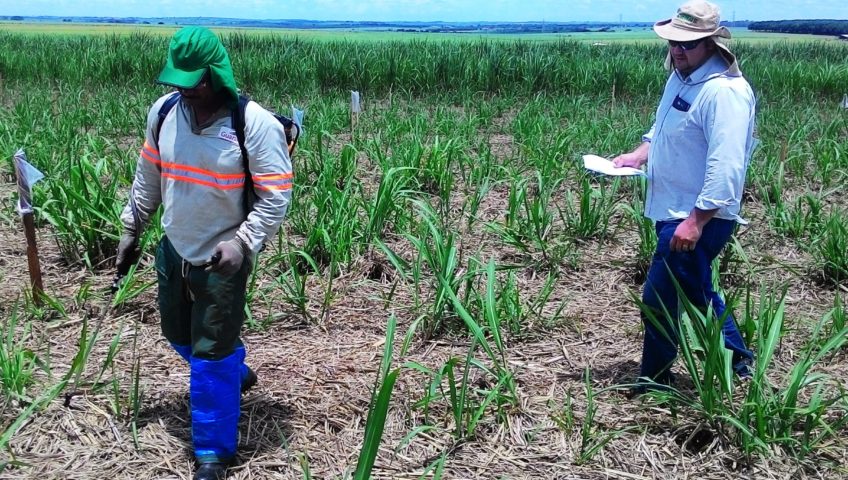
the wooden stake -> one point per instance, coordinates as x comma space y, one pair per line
32, 259
25, 176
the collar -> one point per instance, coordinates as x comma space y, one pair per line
715, 66
196, 127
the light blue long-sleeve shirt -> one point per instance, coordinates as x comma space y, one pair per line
698, 157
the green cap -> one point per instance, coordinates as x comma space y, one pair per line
193, 51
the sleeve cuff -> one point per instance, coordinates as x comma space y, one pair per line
713, 204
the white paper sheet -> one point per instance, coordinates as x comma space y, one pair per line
602, 165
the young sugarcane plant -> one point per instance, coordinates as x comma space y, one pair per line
436, 171
291, 269
830, 248
647, 238
131, 286
388, 205
592, 438
588, 215
798, 220
329, 219
18, 363
495, 347
529, 221
699, 335
797, 417
437, 249
77, 366
472, 202
82, 208
466, 403
810, 409
378, 408
836, 316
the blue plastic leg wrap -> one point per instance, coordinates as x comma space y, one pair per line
183, 350
215, 405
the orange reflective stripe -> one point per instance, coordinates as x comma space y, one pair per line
223, 176
197, 181
273, 181
148, 146
285, 186
149, 157
265, 177
150, 153
187, 168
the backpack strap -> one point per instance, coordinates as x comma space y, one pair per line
163, 111
238, 126
237, 117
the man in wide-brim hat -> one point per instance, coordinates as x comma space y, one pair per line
697, 154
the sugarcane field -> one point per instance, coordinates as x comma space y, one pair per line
452, 293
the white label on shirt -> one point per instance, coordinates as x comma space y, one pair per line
228, 134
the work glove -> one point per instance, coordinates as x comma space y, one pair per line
229, 255
128, 253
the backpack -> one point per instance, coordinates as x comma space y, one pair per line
292, 134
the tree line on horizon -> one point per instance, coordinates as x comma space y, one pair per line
814, 27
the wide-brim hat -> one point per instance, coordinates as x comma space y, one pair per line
694, 20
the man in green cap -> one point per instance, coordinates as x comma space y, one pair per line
192, 164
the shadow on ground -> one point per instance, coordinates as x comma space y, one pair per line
263, 427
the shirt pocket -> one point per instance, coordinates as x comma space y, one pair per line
677, 123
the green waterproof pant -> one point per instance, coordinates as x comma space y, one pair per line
200, 308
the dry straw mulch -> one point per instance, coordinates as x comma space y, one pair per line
315, 383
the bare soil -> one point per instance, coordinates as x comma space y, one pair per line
315, 380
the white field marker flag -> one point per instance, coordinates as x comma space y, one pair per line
297, 118
27, 175
354, 102
355, 108
845, 101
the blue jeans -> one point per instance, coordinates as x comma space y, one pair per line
693, 272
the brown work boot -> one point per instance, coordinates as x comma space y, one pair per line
249, 380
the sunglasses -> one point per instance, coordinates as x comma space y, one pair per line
686, 46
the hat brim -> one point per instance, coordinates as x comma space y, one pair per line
665, 29
175, 77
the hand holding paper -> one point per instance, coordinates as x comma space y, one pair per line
602, 165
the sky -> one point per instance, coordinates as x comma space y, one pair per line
426, 10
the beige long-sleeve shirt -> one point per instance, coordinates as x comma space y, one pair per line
197, 174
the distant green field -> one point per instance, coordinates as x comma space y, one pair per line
454, 209
642, 34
